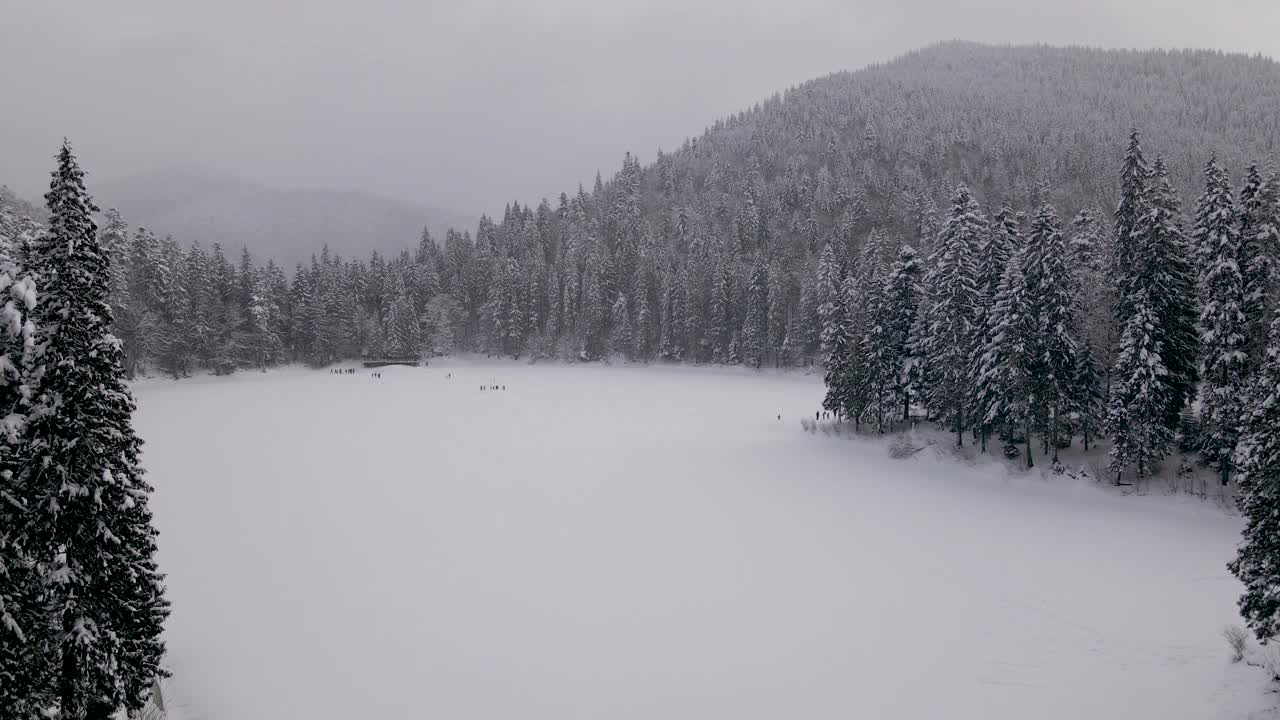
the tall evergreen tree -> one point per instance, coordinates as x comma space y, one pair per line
1167, 269
1257, 462
879, 354
1004, 383
81, 476
946, 332
1089, 403
1259, 257
755, 330
1051, 288
1132, 211
828, 302
1223, 362
28, 633
1139, 394
904, 296
622, 332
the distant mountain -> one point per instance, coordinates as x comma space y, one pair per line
198, 205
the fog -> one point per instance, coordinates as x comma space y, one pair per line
470, 104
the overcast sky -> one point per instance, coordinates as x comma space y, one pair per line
469, 103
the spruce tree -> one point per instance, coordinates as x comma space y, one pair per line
1259, 257
778, 313
1004, 391
1167, 270
856, 396
81, 478
403, 332
1139, 394
828, 302
621, 340
27, 629
1223, 363
1096, 292
1257, 462
1051, 288
1089, 401
946, 332
878, 353
903, 303
1129, 243
755, 329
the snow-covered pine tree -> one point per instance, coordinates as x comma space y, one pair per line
1168, 274
828, 302
838, 337
721, 327
642, 341
1259, 257
904, 296
1004, 386
675, 315
149, 274
878, 354
1129, 243
1139, 394
1257, 462
778, 314
622, 333
856, 374
265, 311
994, 250
503, 310
1089, 404
1223, 362
755, 328
1051, 300
403, 334
595, 310
81, 477
1090, 258
808, 325
27, 628
946, 333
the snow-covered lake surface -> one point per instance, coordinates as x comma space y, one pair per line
652, 543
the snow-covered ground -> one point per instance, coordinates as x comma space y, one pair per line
642, 543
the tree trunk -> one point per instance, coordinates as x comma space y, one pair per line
1027, 432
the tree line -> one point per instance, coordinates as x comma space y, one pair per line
1023, 331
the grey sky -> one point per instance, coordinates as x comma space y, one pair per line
471, 103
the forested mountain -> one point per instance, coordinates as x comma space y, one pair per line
288, 225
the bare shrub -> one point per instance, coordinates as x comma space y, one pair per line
1237, 638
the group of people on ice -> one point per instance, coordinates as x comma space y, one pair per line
492, 387
342, 371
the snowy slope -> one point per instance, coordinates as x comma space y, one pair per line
637, 543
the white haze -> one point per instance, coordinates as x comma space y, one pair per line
467, 105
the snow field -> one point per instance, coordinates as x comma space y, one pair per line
639, 543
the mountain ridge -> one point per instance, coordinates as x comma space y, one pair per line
287, 224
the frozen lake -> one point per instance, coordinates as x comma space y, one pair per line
643, 543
